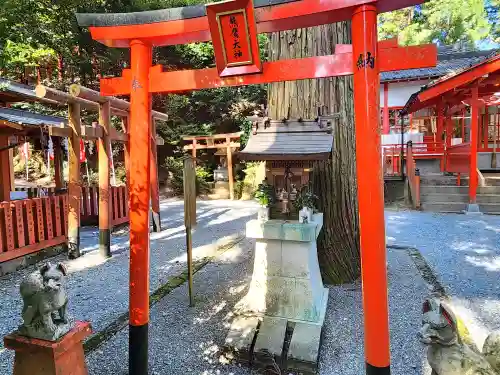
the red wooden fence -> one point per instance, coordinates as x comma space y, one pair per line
30, 225
426, 150
119, 201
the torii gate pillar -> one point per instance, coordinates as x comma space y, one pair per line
139, 193
370, 189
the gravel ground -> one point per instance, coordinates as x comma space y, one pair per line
98, 288
187, 340
464, 252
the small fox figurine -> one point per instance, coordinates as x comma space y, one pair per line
447, 353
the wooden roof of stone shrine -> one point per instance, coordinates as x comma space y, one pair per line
289, 140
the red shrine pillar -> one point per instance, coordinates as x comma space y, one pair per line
449, 130
385, 120
474, 132
139, 133
439, 122
370, 189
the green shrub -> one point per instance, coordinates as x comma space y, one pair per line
238, 189
265, 194
175, 167
37, 166
121, 174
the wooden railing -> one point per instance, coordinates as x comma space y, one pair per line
458, 158
413, 176
391, 155
30, 225
119, 201
391, 164
89, 205
89, 208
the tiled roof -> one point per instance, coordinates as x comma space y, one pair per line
450, 59
293, 140
29, 118
414, 99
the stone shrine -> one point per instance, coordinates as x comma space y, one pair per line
286, 300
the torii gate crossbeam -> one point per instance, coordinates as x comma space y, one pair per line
140, 31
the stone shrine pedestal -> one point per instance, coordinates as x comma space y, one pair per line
286, 281
41, 357
286, 303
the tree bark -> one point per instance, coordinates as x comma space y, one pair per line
333, 181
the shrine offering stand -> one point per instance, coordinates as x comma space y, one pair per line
287, 293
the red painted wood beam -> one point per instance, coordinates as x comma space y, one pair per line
280, 17
283, 70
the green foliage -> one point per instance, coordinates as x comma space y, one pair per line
493, 11
443, 21
121, 174
175, 167
305, 198
238, 189
37, 166
44, 36
265, 194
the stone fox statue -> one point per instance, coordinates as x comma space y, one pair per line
45, 302
447, 353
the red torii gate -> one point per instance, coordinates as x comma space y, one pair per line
241, 66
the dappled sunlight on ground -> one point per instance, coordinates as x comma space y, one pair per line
492, 264
464, 253
91, 259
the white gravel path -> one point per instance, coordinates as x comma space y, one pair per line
186, 340
462, 250
464, 253
98, 288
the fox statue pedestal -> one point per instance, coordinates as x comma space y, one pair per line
286, 292
42, 357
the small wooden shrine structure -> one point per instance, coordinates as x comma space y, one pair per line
226, 145
289, 148
42, 222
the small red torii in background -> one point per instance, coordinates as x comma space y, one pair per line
237, 64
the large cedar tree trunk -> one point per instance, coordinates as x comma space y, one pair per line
334, 181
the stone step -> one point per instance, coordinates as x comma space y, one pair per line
443, 207
433, 189
492, 181
488, 190
443, 180
444, 198
490, 208
488, 198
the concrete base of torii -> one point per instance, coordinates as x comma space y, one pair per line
286, 297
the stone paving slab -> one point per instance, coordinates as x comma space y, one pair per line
268, 350
304, 348
98, 288
240, 338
